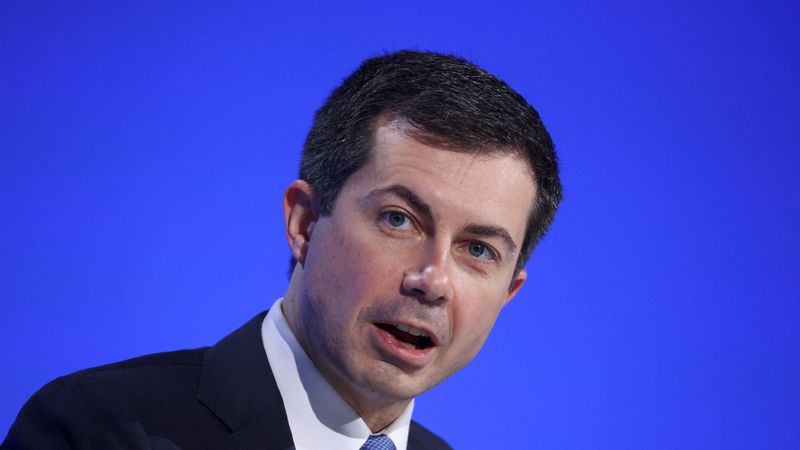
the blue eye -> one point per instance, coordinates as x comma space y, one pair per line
479, 250
396, 219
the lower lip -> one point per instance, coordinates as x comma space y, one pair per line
396, 350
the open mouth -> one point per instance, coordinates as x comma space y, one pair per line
410, 337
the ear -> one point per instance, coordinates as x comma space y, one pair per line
516, 283
300, 215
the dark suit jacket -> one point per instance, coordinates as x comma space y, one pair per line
222, 397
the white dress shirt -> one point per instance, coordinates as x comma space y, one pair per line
318, 417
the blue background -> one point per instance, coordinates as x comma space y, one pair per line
144, 149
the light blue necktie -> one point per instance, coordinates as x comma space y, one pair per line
378, 442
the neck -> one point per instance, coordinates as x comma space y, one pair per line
376, 413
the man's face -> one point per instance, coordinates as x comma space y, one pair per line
403, 281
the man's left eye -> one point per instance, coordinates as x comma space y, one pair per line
396, 219
479, 250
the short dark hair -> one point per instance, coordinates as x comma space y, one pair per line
444, 99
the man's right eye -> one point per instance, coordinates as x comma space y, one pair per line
397, 219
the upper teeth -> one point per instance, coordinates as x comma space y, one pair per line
411, 330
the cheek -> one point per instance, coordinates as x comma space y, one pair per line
474, 316
374, 262
353, 265
326, 270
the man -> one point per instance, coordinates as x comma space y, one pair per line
424, 185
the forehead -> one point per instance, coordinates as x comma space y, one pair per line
490, 188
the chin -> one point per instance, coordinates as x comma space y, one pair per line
391, 383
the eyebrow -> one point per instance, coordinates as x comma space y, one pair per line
425, 210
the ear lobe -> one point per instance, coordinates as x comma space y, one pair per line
516, 283
300, 216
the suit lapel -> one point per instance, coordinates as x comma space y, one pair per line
237, 385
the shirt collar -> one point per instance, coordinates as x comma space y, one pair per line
318, 416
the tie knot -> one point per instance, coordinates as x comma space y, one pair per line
378, 442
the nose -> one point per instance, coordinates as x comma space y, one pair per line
430, 281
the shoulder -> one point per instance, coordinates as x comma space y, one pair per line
182, 399
140, 375
159, 371
420, 438
119, 403
141, 383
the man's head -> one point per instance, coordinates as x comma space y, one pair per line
445, 100
424, 184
